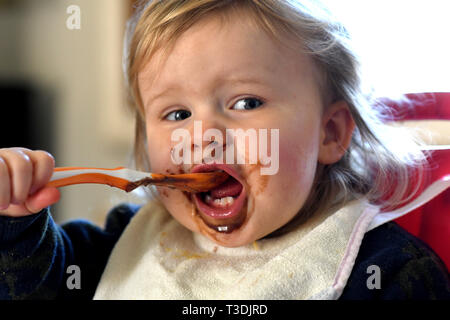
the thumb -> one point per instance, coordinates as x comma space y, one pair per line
42, 198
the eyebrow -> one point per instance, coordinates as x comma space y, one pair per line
161, 94
245, 80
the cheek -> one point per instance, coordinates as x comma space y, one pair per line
298, 151
289, 188
178, 203
158, 147
291, 185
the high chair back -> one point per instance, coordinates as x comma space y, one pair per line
431, 221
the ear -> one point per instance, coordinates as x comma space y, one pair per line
336, 132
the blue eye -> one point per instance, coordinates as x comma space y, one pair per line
178, 115
247, 104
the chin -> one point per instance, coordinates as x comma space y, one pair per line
236, 238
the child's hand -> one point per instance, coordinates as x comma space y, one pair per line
23, 176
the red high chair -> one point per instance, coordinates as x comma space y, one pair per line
431, 221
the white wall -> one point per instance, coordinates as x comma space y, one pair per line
404, 44
83, 67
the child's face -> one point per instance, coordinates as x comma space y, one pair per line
212, 69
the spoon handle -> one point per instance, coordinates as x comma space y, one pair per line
118, 177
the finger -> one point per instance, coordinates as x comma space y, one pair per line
43, 165
20, 173
5, 189
42, 199
15, 149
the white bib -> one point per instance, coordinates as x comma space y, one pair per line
158, 258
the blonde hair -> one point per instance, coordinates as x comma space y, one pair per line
378, 156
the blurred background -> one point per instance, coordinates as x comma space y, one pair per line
62, 89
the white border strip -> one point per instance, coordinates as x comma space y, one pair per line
430, 192
352, 250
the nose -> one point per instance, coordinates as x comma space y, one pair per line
206, 132
206, 141
208, 136
207, 125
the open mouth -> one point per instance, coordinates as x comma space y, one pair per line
222, 205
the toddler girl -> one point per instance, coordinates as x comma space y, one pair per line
208, 69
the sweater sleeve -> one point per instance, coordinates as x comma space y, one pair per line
35, 254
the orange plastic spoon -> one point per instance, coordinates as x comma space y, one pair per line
128, 179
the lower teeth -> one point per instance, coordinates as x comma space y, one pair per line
222, 202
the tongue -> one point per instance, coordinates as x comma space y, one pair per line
229, 188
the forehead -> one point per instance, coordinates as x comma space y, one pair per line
214, 47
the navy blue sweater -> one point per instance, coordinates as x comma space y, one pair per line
35, 254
